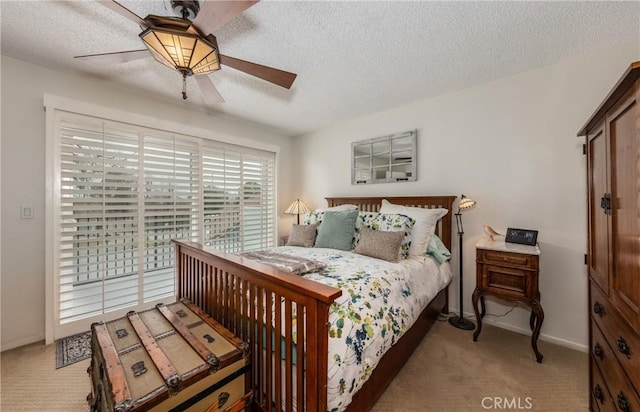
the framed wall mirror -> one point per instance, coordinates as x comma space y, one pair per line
384, 159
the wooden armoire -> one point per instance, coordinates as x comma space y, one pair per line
613, 251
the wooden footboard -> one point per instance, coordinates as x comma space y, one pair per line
240, 294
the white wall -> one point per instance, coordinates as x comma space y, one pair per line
511, 145
23, 177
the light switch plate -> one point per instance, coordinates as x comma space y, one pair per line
26, 211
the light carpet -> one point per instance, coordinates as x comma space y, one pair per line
448, 372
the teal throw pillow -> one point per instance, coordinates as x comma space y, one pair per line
337, 229
438, 250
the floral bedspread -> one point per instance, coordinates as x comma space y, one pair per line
380, 301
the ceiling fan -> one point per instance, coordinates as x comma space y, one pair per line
186, 44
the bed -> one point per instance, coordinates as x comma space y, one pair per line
240, 294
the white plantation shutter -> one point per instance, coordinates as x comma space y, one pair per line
171, 206
121, 217
221, 178
239, 198
125, 191
98, 217
258, 201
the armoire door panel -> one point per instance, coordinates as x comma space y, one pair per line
623, 128
598, 219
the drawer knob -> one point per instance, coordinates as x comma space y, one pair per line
598, 352
598, 309
597, 393
623, 347
623, 403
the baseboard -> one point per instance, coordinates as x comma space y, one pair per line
21, 342
525, 331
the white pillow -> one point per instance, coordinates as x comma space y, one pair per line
423, 228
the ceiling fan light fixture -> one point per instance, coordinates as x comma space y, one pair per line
182, 43
182, 51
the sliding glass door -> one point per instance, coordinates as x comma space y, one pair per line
122, 192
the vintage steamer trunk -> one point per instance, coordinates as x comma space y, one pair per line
171, 358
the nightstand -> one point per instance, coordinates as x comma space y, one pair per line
509, 271
282, 240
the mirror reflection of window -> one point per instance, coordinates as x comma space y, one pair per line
384, 159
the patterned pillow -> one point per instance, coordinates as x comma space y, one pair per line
336, 230
385, 222
315, 217
380, 245
302, 235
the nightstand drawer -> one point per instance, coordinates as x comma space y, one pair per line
508, 281
508, 258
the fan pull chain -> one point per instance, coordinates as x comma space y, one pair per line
184, 86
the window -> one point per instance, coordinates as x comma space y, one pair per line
124, 191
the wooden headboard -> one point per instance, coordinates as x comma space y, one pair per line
372, 204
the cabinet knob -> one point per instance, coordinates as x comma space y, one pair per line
597, 393
623, 403
623, 347
598, 352
598, 309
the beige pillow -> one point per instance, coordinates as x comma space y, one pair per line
380, 245
302, 235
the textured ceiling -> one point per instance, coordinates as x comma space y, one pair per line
352, 58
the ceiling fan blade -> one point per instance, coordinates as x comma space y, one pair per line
275, 76
209, 91
116, 57
213, 14
123, 11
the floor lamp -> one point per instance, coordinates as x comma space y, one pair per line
459, 321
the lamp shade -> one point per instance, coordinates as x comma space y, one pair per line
465, 203
297, 208
183, 51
